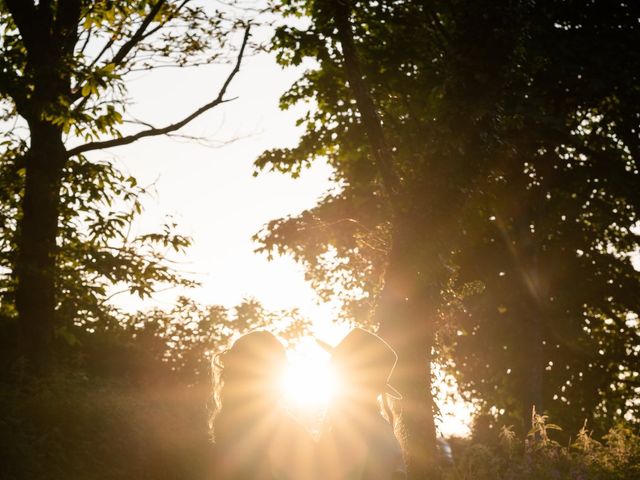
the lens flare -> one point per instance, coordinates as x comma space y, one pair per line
308, 382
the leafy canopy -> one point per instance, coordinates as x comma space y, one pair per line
517, 152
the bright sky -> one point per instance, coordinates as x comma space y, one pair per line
211, 191
213, 195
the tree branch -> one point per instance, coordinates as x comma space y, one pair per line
139, 35
154, 132
23, 13
173, 15
86, 40
382, 154
124, 50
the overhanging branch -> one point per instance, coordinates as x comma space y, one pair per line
154, 132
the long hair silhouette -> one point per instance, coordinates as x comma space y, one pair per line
255, 438
246, 383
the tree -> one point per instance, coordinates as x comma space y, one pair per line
553, 248
98, 256
478, 102
64, 70
396, 200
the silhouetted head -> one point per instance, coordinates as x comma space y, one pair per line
248, 380
364, 363
254, 364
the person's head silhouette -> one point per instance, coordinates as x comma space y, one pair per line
364, 363
248, 383
255, 437
357, 441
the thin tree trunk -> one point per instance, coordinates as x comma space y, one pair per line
36, 261
520, 242
535, 338
373, 126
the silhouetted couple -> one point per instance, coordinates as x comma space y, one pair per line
256, 439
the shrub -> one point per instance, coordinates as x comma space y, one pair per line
539, 457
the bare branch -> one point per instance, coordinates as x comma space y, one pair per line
197, 139
154, 132
107, 46
89, 32
136, 121
206, 142
169, 65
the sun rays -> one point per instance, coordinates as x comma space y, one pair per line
308, 382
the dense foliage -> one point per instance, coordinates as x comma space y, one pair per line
515, 145
98, 255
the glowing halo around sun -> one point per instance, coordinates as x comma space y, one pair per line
308, 382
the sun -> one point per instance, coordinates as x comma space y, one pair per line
308, 382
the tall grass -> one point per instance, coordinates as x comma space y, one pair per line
538, 457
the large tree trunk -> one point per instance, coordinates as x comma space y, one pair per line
38, 228
407, 313
49, 33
